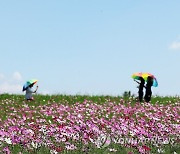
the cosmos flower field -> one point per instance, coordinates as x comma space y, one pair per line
89, 124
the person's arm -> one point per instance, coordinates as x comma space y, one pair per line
137, 81
36, 89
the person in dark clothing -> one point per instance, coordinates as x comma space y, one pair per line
141, 86
148, 93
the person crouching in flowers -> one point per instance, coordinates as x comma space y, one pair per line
29, 92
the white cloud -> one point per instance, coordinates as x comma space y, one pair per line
12, 84
17, 76
10, 88
175, 45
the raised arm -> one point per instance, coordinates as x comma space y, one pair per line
36, 89
136, 81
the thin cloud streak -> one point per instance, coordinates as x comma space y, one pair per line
175, 45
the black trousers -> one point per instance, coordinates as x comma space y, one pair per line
147, 96
140, 95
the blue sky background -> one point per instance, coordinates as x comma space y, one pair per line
89, 46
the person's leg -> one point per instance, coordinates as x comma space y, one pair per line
30, 99
140, 96
146, 97
150, 94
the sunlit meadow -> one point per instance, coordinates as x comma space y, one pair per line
88, 124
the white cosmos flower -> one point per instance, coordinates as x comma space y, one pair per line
34, 145
8, 140
160, 151
53, 152
112, 150
49, 121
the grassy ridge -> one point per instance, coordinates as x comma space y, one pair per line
100, 99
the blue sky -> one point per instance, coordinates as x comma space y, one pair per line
89, 47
